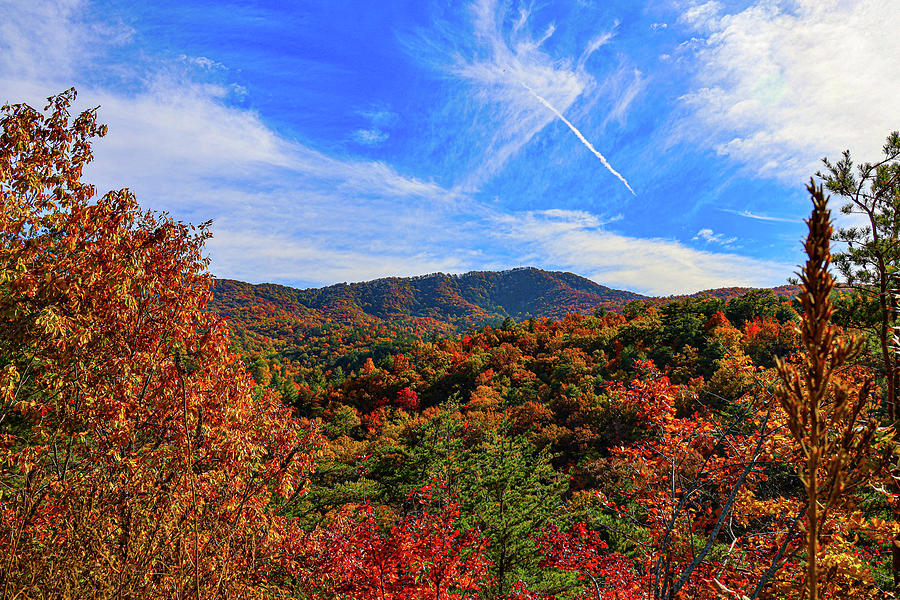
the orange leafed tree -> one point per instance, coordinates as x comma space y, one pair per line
135, 460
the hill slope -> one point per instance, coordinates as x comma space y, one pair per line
455, 300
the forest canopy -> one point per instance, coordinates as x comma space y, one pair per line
700, 448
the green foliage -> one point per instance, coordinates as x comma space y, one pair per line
509, 490
872, 190
870, 258
756, 303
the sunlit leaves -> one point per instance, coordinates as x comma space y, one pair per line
135, 459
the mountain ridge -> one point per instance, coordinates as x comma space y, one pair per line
437, 301
464, 299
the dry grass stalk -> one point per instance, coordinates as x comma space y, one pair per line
822, 411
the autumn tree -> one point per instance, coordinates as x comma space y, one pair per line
135, 461
368, 555
686, 484
607, 575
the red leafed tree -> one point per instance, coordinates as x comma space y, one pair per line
420, 556
134, 459
689, 476
451, 563
608, 575
407, 399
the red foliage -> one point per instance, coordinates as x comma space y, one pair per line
422, 555
408, 400
717, 320
608, 576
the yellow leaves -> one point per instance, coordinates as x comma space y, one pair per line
841, 559
50, 322
884, 526
729, 337
9, 381
285, 488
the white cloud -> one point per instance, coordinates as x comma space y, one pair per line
708, 236
654, 266
596, 43
370, 137
380, 117
380, 121
182, 127
202, 62
574, 219
785, 82
630, 84
701, 15
52, 38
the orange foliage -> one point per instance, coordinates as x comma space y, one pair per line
135, 461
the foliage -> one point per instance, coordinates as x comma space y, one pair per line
420, 555
870, 258
584, 552
135, 461
605, 456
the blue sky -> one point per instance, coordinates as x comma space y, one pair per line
343, 141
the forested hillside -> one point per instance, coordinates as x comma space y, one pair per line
368, 441
460, 300
315, 335
269, 316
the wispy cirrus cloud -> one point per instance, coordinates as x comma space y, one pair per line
380, 121
782, 83
370, 137
53, 40
516, 86
761, 217
201, 62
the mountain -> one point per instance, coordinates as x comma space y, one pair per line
456, 300
727, 293
313, 326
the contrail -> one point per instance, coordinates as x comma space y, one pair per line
580, 137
